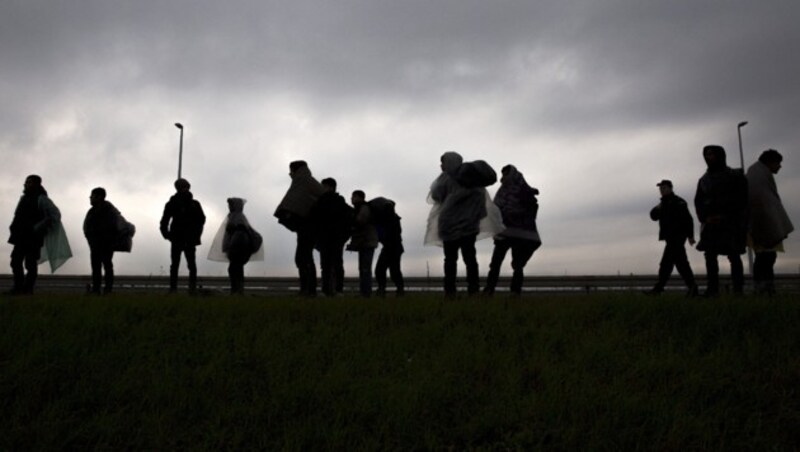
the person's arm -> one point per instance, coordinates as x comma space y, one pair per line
165, 218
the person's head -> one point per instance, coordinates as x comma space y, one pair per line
182, 185
236, 204
358, 197
32, 182
97, 196
329, 184
450, 161
509, 174
665, 187
296, 165
772, 159
714, 155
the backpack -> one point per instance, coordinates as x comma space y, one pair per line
475, 174
382, 210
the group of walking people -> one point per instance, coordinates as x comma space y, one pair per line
735, 211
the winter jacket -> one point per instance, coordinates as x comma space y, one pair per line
769, 222
183, 220
721, 205
102, 225
675, 223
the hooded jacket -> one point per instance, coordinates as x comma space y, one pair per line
518, 205
721, 204
769, 223
183, 219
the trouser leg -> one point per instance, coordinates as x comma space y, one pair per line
365, 271
469, 254
712, 274
521, 252
18, 268
191, 262
108, 268
381, 266
304, 259
450, 266
395, 272
665, 267
175, 261
32, 269
682, 265
95, 262
327, 269
236, 275
498, 256
763, 271
737, 273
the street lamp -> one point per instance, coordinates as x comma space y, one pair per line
741, 159
180, 149
741, 153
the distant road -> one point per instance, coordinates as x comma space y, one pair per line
288, 285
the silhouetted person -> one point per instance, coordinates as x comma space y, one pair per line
102, 228
36, 223
364, 240
460, 202
237, 243
518, 205
182, 224
769, 222
333, 220
294, 213
390, 236
721, 204
675, 227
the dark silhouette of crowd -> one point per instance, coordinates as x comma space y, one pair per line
736, 211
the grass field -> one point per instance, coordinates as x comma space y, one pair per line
577, 372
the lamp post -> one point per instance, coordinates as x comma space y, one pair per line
741, 160
180, 149
739, 131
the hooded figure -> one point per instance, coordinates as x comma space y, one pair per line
769, 223
460, 215
294, 212
37, 235
236, 242
518, 205
721, 204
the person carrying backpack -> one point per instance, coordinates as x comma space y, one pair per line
390, 236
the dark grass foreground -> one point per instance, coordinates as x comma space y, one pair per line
608, 372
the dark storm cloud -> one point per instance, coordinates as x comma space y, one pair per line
596, 100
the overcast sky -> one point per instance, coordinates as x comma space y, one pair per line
594, 101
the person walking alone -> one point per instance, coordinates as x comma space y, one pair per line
675, 227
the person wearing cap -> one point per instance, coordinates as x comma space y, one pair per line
675, 227
182, 224
769, 223
721, 205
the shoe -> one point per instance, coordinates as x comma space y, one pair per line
693, 292
652, 292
